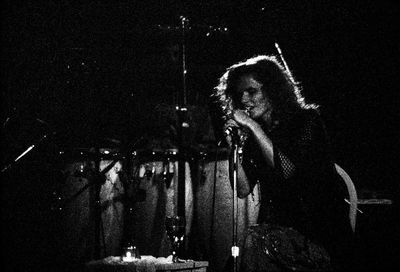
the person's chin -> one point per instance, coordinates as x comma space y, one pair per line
256, 115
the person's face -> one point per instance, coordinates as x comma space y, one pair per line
253, 98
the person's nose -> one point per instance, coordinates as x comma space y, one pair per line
245, 98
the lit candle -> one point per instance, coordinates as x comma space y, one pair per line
128, 257
130, 254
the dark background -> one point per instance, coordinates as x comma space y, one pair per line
101, 74
124, 61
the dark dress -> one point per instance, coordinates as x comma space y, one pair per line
303, 193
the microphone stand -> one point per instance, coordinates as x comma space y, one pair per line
234, 177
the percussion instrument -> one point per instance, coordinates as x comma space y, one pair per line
156, 172
90, 180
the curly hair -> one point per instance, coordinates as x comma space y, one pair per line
278, 84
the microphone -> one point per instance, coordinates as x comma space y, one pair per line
233, 132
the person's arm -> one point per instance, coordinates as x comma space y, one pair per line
244, 185
263, 141
273, 155
307, 152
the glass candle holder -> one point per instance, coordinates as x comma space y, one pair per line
130, 254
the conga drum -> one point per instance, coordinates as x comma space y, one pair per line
214, 208
74, 199
112, 202
156, 172
88, 184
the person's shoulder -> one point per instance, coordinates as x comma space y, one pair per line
303, 117
309, 114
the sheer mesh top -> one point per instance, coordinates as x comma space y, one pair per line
303, 190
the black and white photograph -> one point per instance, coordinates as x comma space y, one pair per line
208, 136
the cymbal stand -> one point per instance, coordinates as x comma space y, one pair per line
182, 124
184, 23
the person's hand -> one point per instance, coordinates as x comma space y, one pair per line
242, 118
229, 124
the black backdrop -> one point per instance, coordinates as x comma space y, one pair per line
99, 72
91, 68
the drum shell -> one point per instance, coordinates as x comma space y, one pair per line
76, 206
214, 209
161, 200
112, 204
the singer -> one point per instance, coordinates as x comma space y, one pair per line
303, 219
